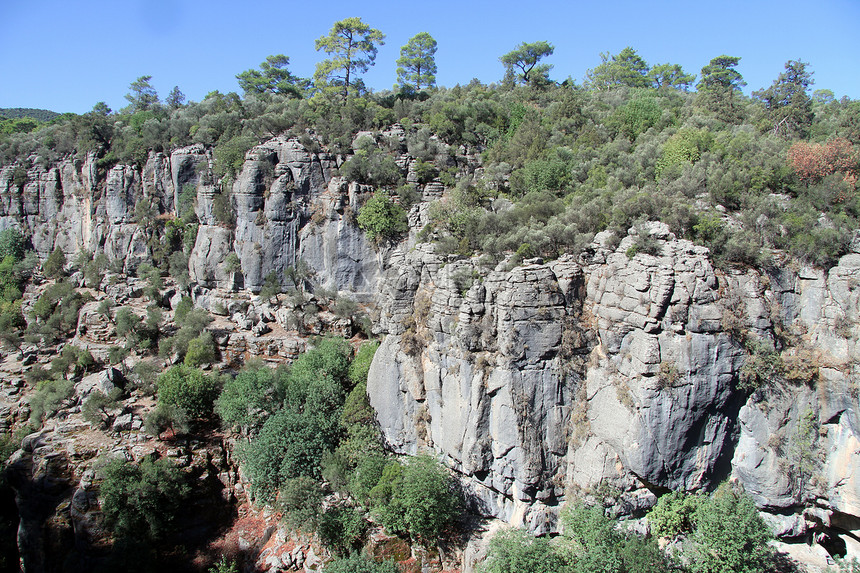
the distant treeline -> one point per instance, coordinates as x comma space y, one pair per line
19, 112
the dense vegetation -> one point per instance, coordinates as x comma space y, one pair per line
742, 175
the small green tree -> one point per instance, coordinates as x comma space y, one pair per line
189, 389
300, 501
273, 77
142, 96
55, 264
719, 89
786, 104
382, 219
142, 500
730, 536
514, 551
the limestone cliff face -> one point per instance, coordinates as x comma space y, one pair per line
536, 379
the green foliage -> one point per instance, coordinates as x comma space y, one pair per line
515, 551
201, 350
525, 58
636, 116
300, 502
142, 500
142, 96
382, 219
55, 264
273, 77
358, 563
787, 105
98, 406
292, 441
685, 147
720, 88
230, 155
55, 312
360, 365
342, 528
352, 45
419, 498
673, 514
12, 243
49, 398
166, 417
247, 400
189, 389
371, 166
730, 535
416, 66
594, 545
193, 323
625, 68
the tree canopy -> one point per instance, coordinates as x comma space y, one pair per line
416, 66
352, 45
525, 58
720, 88
273, 77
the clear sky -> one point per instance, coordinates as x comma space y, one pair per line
66, 55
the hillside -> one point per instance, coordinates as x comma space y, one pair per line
583, 296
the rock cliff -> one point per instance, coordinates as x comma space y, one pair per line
610, 371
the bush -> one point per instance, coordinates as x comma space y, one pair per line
357, 563
730, 535
142, 500
97, 408
291, 442
382, 219
300, 501
673, 514
201, 350
188, 389
55, 264
49, 398
419, 498
515, 551
252, 396
342, 528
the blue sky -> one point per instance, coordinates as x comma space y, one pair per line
68, 55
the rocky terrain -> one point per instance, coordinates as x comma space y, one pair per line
613, 373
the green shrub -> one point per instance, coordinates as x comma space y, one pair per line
55, 264
342, 528
252, 396
98, 406
49, 398
419, 498
300, 501
188, 389
142, 500
166, 417
12, 243
201, 350
515, 551
357, 563
673, 514
382, 219
730, 535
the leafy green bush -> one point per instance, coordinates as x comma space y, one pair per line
358, 563
142, 500
292, 441
55, 264
342, 528
201, 350
673, 514
419, 498
188, 389
730, 535
49, 398
381, 218
515, 551
300, 502
248, 399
